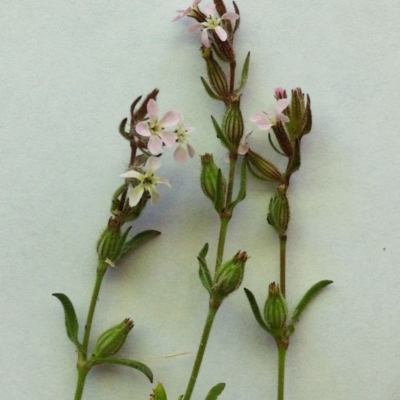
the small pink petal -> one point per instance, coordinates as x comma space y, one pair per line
204, 38
135, 194
171, 118
226, 157
231, 16
281, 104
243, 149
153, 164
196, 2
279, 92
169, 138
131, 174
262, 121
180, 155
155, 144
180, 115
190, 129
282, 118
182, 14
191, 150
209, 9
164, 181
194, 27
142, 128
152, 109
221, 33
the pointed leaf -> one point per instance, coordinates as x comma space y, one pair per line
71, 320
245, 74
159, 393
256, 311
312, 292
121, 129
242, 189
204, 251
209, 91
139, 239
220, 135
214, 393
204, 272
126, 363
237, 22
274, 147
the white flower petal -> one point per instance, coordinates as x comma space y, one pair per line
204, 38
132, 174
232, 16
281, 105
153, 163
135, 194
142, 128
155, 144
152, 109
169, 138
180, 155
194, 27
155, 196
171, 118
209, 9
221, 33
191, 150
164, 181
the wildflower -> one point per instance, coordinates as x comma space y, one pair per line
265, 120
184, 148
243, 145
280, 93
213, 23
184, 13
146, 182
154, 128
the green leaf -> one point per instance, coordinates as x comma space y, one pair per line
209, 91
245, 74
71, 320
204, 251
124, 362
256, 311
139, 239
204, 272
274, 147
214, 393
242, 189
220, 135
312, 292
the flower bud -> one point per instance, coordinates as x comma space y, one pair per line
275, 310
279, 213
159, 393
229, 277
111, 341
212, 181
232, 125
300, 115
111, 242
267, 170
216, 74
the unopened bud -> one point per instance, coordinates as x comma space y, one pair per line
232, 125
279, 213
275, 310
300, 115
159, 393
111, 243
111, 341
267, 170
230, 275
216, 75
212, 181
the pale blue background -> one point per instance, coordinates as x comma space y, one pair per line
69, 71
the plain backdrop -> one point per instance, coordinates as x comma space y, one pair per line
69, 72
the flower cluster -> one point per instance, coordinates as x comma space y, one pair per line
208, 20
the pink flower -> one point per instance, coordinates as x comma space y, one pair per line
280, 93
146, 182
213, 23
154, 129
184, 148
242, 149
265, 120
184, 13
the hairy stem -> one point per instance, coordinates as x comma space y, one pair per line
212, 312
282, 269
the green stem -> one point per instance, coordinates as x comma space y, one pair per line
82, 374
282, 246
101, 270
231, 179
281, 370
221, 241
212, 312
